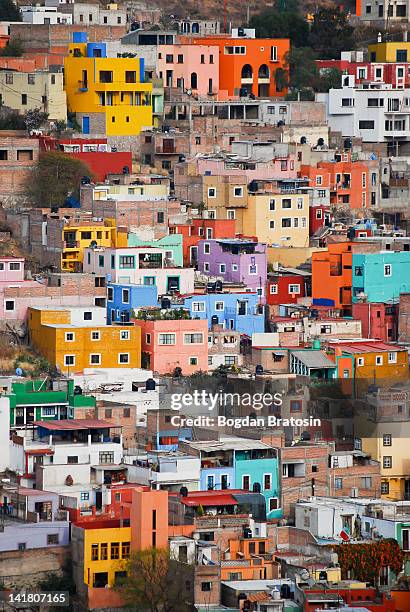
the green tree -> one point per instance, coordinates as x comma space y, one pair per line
331, 33
34, 119
56, 177
11, 119
9, 11
14, 48
155, 583
273, 24
331, 78
303, 71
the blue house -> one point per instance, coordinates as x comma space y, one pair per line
241, 312
240, 463
122, 300
380, 277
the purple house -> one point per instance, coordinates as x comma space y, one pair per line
235, 260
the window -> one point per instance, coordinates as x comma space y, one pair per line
194, 338
95, 335
319, 180
222, 268
84, 496
95, 359
401, 54
88, 316
124, 334
230, 360
193, 361
347, 102
392, 357
267, 482
166, 339
105, 76
338, 483
106, 457
206, 266
211, 192
69, 337
22, 546
48, 411
23, 99
273, 54
180, 59
94, 552
273, 290
295, 406
379, 359
360, 361
366, 482
198, 306
273, 503
127, 261
286, 222
286, 203
211, 59
366, 125
69, 360
71, 459
104, 551
160, 217
148, 338
386, 439
169, 58
130, 76
125, 550
123, 358
206, 586
271, 224
15, 266
272, 204
115, 550
230, 214
385, 488
126, 296
207, 248
246, 482
238, 192
387, 462
294, 289
9, 78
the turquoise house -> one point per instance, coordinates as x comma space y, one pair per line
171, 243
381, 276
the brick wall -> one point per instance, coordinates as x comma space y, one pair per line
404, 318
25, 569
14, 172
352, 477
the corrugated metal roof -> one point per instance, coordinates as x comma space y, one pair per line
74, 424
313, 359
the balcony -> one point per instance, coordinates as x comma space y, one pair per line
71, 244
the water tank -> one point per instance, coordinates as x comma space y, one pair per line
150, 384
165, 302
259, 369
316, 345
275, 594
183, 491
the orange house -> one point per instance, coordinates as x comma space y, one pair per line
200, 229
352, 183
248, 559
248, 65
332, 277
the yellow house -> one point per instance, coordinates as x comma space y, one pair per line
22, 91
389, 52
150, 190
277, 218
108, 95
105, 553
80, 235
73, 339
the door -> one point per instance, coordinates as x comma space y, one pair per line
86, 125
98, 500
173, 284
194, 255
224, 481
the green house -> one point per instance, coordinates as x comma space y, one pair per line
35, 400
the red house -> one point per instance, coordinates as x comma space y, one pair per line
286, 286
319, 217
95, 152
392, 73
200, 229
379, 320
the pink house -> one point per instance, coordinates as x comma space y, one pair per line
170, 344
11, 270
278, 168
190, 67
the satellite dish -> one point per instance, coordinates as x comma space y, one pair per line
19, 372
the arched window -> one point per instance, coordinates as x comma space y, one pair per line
263, 72
247, 72
194, 80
